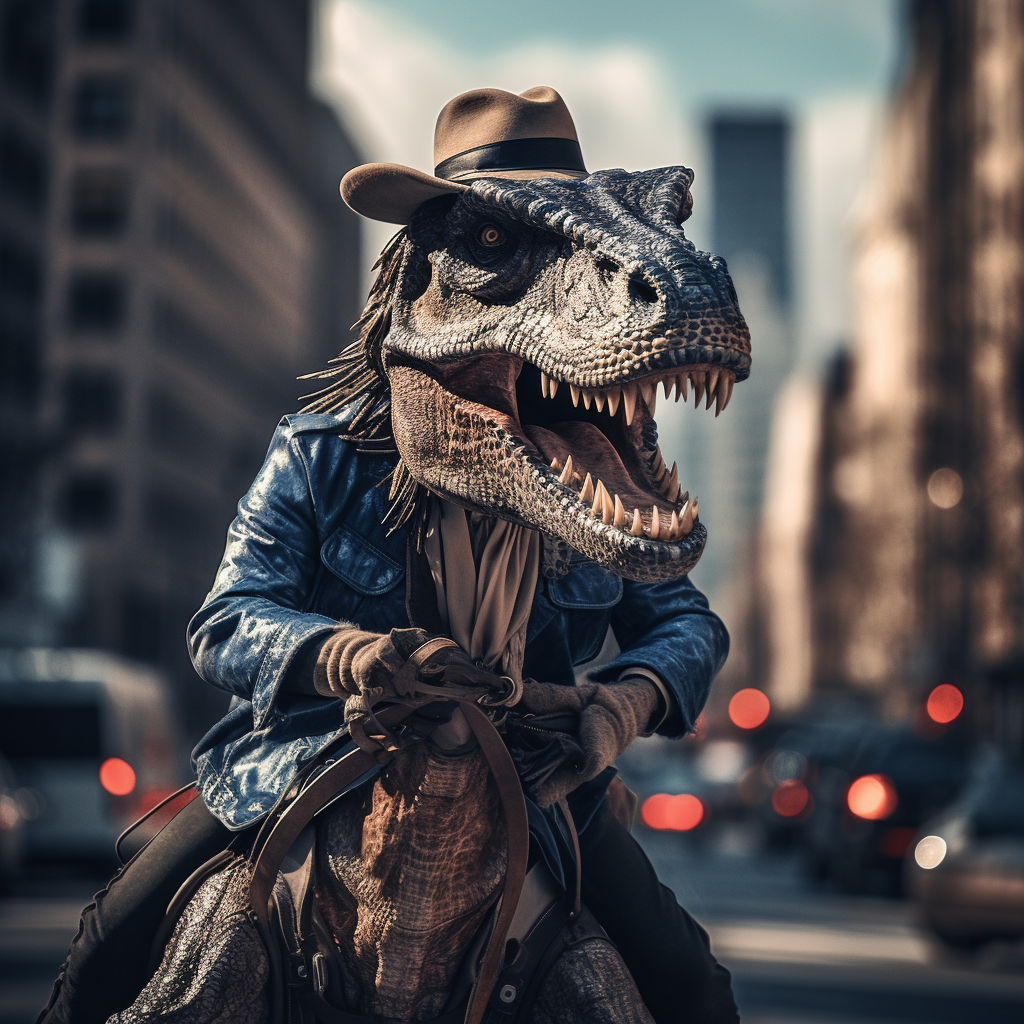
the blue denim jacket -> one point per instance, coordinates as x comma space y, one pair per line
307, 549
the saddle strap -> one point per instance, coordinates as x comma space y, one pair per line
268, 855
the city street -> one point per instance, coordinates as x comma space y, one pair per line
796, 955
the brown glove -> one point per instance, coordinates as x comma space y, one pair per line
353, 661
361, 667
610, 715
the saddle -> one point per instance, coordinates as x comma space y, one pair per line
531, 925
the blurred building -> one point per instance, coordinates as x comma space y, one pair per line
725, 457
197, 258
913, 550
26, 93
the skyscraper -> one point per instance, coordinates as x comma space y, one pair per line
198, 258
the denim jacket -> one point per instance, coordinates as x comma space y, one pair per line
307, 550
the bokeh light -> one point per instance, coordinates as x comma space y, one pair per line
749, 708
945, 488
117, 776
930, 852
667, 813
791, 798
944, 703
872, 797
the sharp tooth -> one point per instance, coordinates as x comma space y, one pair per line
666, 384
555, 464
543, 383
672, 487
567, 472
674, 530
657, 463
552, 387
695, 505
575, 392
588, 397
712, 386
620, 513
637, 529
655, 523
681, 387
728, 393
587, 493
686, 519
599, 399
607, 505
628, 402
614, 397
697, 379
650, 392
685, 496
720, 395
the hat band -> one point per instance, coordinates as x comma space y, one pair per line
514, 155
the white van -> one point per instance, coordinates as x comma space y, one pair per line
92, 742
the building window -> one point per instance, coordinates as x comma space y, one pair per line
105, 21
92, 401
21, 275
20, 367
100, 107
27, 39
99, 201
22, 169
89, 501
96, 302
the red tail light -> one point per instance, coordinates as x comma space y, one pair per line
872, 797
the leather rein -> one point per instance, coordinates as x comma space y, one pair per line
377, 745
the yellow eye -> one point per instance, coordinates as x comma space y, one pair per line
490, 235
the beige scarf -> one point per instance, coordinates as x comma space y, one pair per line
485, 572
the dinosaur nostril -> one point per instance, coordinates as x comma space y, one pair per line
607, 267
641, 290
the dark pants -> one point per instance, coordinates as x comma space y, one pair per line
666, 951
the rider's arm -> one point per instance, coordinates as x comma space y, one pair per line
669, 630
251, 626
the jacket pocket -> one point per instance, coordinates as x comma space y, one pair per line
586, 586
355, 561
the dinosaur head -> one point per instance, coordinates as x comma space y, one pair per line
513, 348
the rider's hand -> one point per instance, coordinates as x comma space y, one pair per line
352, 661
610, 716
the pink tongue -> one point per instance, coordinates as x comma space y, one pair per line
591, 453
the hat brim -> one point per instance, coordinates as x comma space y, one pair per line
392, 192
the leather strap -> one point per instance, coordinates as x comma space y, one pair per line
277, 840
279, 837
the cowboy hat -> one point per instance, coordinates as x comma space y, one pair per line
483, 133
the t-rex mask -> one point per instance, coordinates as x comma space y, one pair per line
511, 352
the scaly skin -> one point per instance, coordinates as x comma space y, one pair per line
525, 322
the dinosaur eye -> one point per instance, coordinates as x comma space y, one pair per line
491, 236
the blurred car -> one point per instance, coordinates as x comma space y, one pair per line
872, 788
966, 867
91, 742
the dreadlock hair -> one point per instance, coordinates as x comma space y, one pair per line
359, 386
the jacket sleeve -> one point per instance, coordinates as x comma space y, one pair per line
251, 626
669, 629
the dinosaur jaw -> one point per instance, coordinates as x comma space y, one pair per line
497, 435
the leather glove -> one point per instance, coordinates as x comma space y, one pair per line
609, 717
356, 662
361, 667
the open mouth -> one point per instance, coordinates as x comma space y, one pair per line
596, 447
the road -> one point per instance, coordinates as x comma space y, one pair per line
797, 956
801, 956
